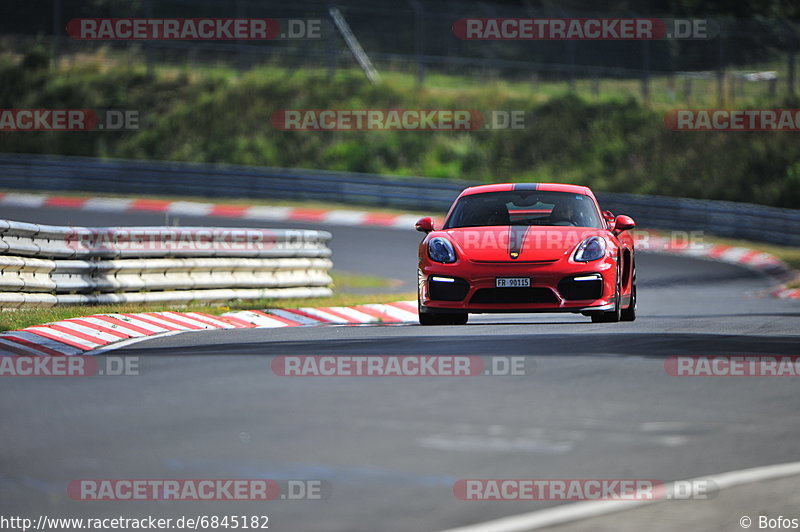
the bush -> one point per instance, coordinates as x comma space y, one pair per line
615, 145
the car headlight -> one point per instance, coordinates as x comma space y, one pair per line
593, 248
441, 250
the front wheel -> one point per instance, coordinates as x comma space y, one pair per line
436, 318
612, 316
429, 318
629, 314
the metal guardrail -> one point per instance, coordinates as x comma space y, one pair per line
43, 265
747, 221
112, 176
730, 219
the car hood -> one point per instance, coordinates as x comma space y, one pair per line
517, 243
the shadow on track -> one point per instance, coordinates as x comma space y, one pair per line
418, 343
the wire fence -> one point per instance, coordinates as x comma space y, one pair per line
417, 37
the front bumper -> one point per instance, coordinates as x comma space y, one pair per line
552, 287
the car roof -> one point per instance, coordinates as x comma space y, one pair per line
506, 187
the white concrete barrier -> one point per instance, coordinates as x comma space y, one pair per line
44, 265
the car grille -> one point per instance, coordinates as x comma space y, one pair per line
442, 291
571, 290
501, 296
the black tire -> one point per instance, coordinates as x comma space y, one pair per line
612, 316
458, 319
427, 318
437, 318
629, 314
431, 318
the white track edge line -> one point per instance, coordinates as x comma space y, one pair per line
130, 341
568, 513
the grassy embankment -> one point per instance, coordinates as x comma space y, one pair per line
611, 142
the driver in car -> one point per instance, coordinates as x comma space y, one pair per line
497, 215
563, 214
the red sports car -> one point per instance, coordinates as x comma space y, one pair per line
526, 247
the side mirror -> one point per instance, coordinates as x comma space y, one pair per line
623, 223
425, 225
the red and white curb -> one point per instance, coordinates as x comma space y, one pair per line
98, 333
760, 261
223, 210
655, 242
786, 293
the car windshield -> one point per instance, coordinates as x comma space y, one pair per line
540, 208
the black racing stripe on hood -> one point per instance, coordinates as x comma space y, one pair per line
516, 239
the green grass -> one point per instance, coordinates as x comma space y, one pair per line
665, 92
344, 282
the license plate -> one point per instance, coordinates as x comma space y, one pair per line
513, 282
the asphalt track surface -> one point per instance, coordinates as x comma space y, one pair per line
596, 403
